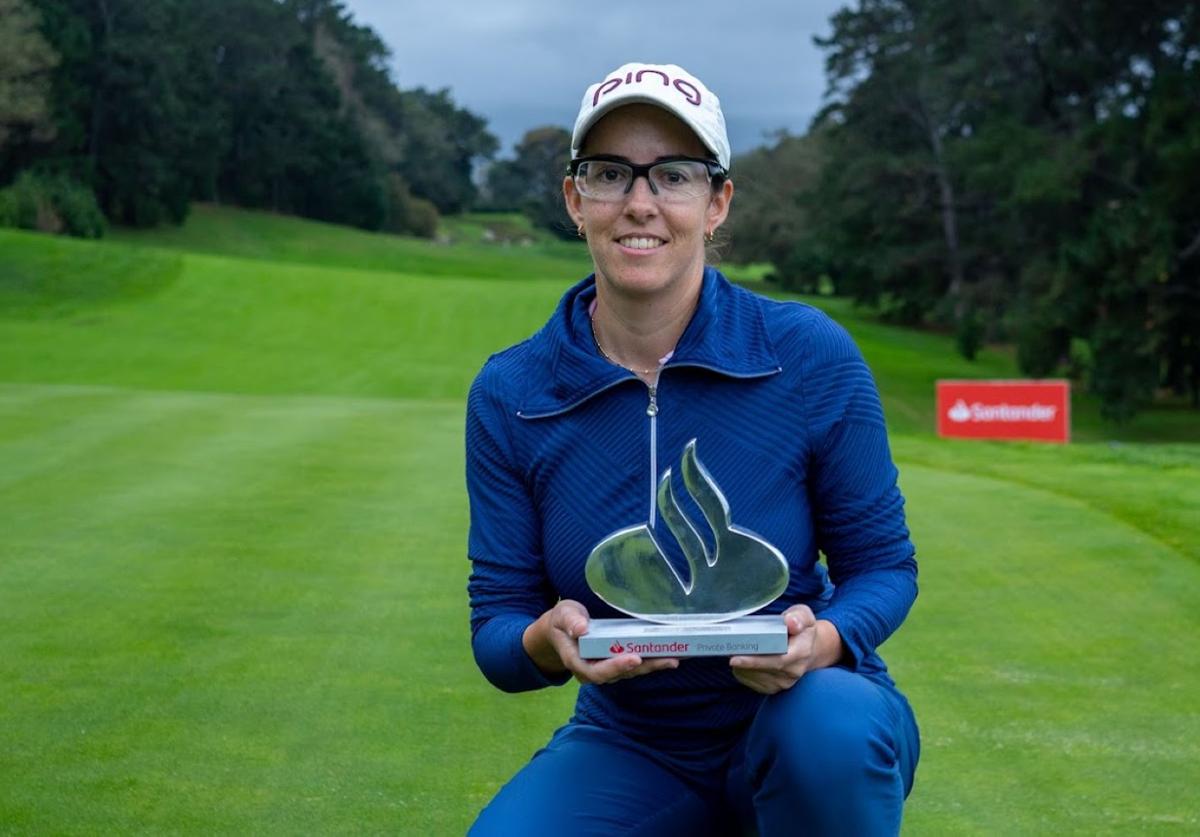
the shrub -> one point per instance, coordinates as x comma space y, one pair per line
408, 214
54, 203
968, 334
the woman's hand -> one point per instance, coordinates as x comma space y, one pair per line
552, 643
811, 644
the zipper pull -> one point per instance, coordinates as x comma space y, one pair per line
652, 409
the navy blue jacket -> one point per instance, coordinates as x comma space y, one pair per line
561, 452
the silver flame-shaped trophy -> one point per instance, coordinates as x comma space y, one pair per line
703, 614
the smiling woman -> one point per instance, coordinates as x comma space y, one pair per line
647, 240
652, 356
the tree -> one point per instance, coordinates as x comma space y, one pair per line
24, 74
896, 71
279, 104
292, 145
1014, 167
441, 147
130, 119
771, 220
532, 180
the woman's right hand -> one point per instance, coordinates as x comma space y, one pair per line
552, 643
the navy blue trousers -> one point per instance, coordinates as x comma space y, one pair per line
835, 754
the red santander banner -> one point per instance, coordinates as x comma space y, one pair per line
1038, 411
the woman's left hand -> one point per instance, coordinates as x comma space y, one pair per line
812, 643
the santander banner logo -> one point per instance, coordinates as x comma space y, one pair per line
1030, 410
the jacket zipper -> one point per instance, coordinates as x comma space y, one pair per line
652, 412
652, 409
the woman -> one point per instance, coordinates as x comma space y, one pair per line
567, 434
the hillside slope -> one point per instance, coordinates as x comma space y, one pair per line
377, 302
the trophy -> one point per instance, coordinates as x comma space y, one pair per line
702, 615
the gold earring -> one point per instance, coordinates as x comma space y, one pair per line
579, 231
710, 236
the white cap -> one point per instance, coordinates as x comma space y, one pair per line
669, 87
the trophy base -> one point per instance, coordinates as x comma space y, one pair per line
747, 635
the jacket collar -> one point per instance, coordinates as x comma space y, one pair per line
726, 335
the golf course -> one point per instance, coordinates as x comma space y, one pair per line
233, 530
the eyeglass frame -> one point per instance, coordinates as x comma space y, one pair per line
716, 172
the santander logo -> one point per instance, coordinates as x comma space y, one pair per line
616, 647
960, 412
1002, 412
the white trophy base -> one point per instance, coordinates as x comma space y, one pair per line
747, 635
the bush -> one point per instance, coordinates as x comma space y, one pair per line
408, 214
968, 334
53, 203
18, 207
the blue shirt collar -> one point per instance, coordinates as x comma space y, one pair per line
726, 335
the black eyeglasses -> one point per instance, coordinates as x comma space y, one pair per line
605, 177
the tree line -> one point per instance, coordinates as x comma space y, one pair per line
1009, 170
1017, 170
285, 105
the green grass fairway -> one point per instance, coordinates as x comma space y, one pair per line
1051, 657
232, 570
237, 613
462, 250
235, 325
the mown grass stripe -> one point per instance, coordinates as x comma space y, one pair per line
1155, 489
1048, 646
268, 613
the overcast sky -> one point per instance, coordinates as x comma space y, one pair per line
525, 63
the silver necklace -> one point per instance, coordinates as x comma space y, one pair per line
616, 362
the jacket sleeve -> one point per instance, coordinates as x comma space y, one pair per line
858, 510
507, 588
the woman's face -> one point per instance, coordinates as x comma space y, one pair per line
642, 246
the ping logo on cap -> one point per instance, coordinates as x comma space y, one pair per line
667, 86
690, 92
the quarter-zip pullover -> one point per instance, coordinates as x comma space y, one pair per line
564, 448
